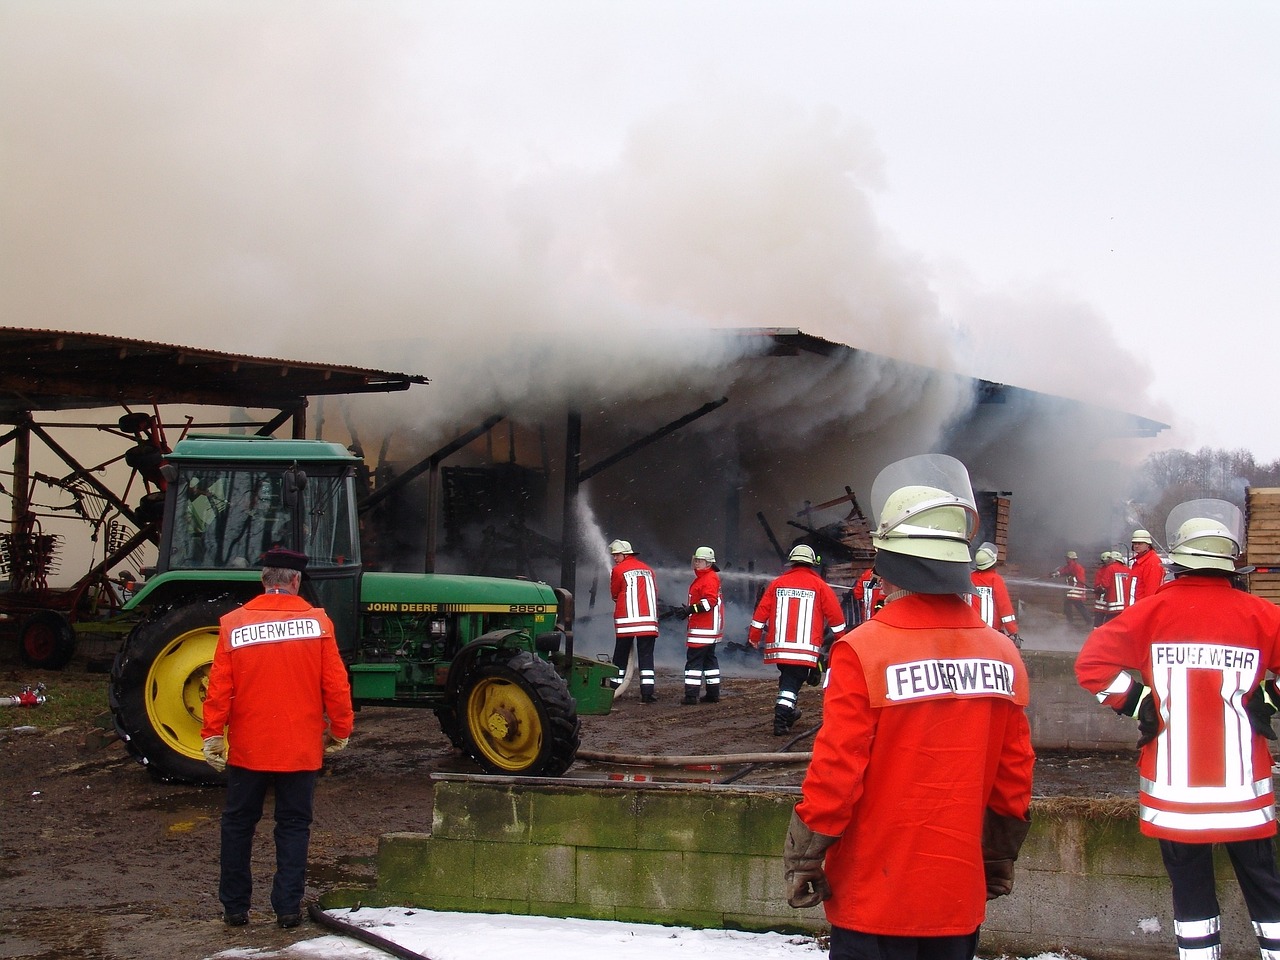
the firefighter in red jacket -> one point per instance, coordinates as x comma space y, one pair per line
635, 615
1190, 664
1147, 572
991, 595
705, 611
278, 701
916, 799
1075, 602
1112, 585
869, 594
798, 607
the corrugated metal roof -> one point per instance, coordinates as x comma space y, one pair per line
43, 370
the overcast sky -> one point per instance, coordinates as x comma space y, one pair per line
1079, 198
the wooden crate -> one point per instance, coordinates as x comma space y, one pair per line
1262, 526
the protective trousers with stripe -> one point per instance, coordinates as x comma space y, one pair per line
1197, 921
701, 665
644, 658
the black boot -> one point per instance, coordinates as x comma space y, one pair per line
690, 699
783, 719
712, 695
648, 696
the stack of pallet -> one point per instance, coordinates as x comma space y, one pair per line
1262, 541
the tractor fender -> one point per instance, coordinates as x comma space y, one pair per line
480, 647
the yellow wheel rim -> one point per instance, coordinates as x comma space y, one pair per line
504, 723
176, 686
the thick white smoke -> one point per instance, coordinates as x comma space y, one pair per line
283, 179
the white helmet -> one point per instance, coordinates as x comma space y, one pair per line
621, 546
925, 508
1140, 536
1205, 534
705, 553
1072, 555
985, 556
803, 553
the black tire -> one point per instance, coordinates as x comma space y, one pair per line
46, 640
516, 717
158, 684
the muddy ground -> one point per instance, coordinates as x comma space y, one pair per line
98, 860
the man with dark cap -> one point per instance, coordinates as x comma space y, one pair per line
906, 842
278, 701
1191, 663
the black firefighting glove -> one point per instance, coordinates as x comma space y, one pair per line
1261, 706
682, 612
1002, 838
1139, 703
802, 858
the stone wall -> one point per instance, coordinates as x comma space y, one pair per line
710, 856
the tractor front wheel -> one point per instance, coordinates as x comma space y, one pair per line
158, 685
517, 717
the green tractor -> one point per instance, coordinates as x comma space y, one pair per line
493, 658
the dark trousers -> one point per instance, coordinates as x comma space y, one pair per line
644, 658
790, 679
1195, 901
701, 665
852, 945
246, 791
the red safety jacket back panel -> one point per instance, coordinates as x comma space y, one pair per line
1201, 646
276, 675
924, 728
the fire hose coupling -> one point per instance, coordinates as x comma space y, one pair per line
29, 697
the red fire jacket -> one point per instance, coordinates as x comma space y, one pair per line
635, 598
1147, 574
1201, 646
924, 728
276, 674
870, 593
1113, 584
706, 626
992, 601
797, 606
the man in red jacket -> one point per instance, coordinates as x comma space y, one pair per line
990, 595
916, 799
705, 611
798, 607
1074, 600
1201, 652
278, 701
635, 615
1147, 571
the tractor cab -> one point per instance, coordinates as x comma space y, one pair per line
229, 499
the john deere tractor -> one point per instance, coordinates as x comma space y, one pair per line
491, 657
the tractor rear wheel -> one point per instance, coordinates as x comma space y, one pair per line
517, 717
158, 685
46, 640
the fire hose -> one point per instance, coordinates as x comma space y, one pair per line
29, 697
324, 919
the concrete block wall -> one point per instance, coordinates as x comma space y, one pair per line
1063, 715
706, 856
710, 856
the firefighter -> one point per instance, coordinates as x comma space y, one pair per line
991, 595
869, 595
705, 612
1074, 604
635, 616
1112, 580
1190, 663
278, 700
916, 799
1147, 570
797, 607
